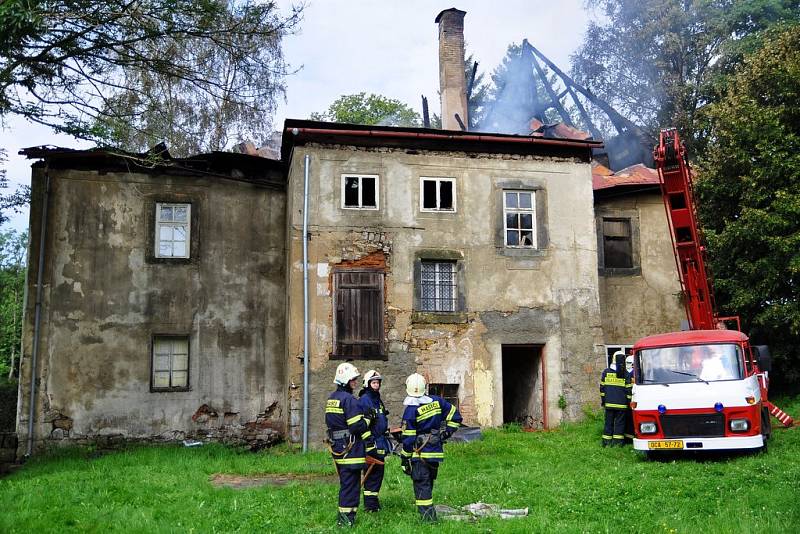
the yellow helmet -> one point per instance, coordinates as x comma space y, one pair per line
345, 373
371, 375
415, 385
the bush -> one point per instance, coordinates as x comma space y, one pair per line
8, 405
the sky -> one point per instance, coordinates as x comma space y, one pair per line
386, 47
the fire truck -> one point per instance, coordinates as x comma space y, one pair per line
704, 388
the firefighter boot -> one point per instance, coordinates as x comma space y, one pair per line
428, 514
346, 519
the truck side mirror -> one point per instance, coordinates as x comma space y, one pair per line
763, 357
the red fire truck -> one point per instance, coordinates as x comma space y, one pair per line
704, 388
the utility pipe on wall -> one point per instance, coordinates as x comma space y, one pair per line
38, 313
306, 170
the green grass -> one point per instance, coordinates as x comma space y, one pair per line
568, 482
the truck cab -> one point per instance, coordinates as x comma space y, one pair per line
698, 390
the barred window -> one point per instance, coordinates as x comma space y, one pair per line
448, 392
520, 222
438, 286
170, 363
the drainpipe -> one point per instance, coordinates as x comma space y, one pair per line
306, 170
38, 312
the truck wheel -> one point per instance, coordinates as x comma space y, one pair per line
766, 424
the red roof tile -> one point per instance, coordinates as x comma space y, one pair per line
637, 174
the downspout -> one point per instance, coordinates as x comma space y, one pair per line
38, 311
306, 169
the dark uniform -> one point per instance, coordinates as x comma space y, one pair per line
425, 428
377, 446
615, 396
348, 429
629, 414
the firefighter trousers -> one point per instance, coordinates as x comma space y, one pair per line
372, 485
349, 489
614, 430
423, 474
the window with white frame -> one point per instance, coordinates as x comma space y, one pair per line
170, 362
437, 194
360, 192
520, 219
438, 292
173, 225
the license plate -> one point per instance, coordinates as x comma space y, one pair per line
666, 444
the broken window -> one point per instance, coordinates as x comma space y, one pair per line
358, 314
170, 363
172, 230
437, 286
520, 221
617, 246
360, 192
437, 194
448, 392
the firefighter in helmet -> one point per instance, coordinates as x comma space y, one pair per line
428, 421
348, 428
377, 444
615, 396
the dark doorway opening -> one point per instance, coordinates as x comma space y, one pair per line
523, 398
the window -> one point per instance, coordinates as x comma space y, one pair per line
170, 363
358, 314
617, 245
448, 392
172, 230
519, 223
611, 349
438, 286
360, 192
437, 194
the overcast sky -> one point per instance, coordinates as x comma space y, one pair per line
387, 47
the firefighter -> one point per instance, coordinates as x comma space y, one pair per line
377, 444
348, 428
615, 396
629, 411
428, 421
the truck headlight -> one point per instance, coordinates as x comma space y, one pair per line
739, 425
648, 428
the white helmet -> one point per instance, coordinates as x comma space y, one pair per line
345, 373
415, 385
613, 364
629, 363
371, 375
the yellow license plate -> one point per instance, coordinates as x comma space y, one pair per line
666, 444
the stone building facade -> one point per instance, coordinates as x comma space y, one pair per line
504, 233
162, 299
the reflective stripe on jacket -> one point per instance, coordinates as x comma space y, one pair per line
615, 392
421, 427
343, 412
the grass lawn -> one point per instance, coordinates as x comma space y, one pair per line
568, 482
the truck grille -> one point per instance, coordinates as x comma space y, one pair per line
694, 425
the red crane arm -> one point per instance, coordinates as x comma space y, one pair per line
676, 191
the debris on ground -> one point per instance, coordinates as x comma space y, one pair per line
192, 443
222, 480
475, 511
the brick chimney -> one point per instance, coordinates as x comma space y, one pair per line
452, 80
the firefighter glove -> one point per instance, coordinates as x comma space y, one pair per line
405, 465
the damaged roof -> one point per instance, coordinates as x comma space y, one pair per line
225, 165
634, 176
298, 132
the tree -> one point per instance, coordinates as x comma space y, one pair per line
369, 109
135, 72
13, 246
749, 197
656, 61
12, 201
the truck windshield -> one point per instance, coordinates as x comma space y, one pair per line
691, 363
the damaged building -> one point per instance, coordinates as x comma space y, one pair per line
170, 299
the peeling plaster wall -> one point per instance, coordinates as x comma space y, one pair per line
548, 297
105, 296
638, 305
